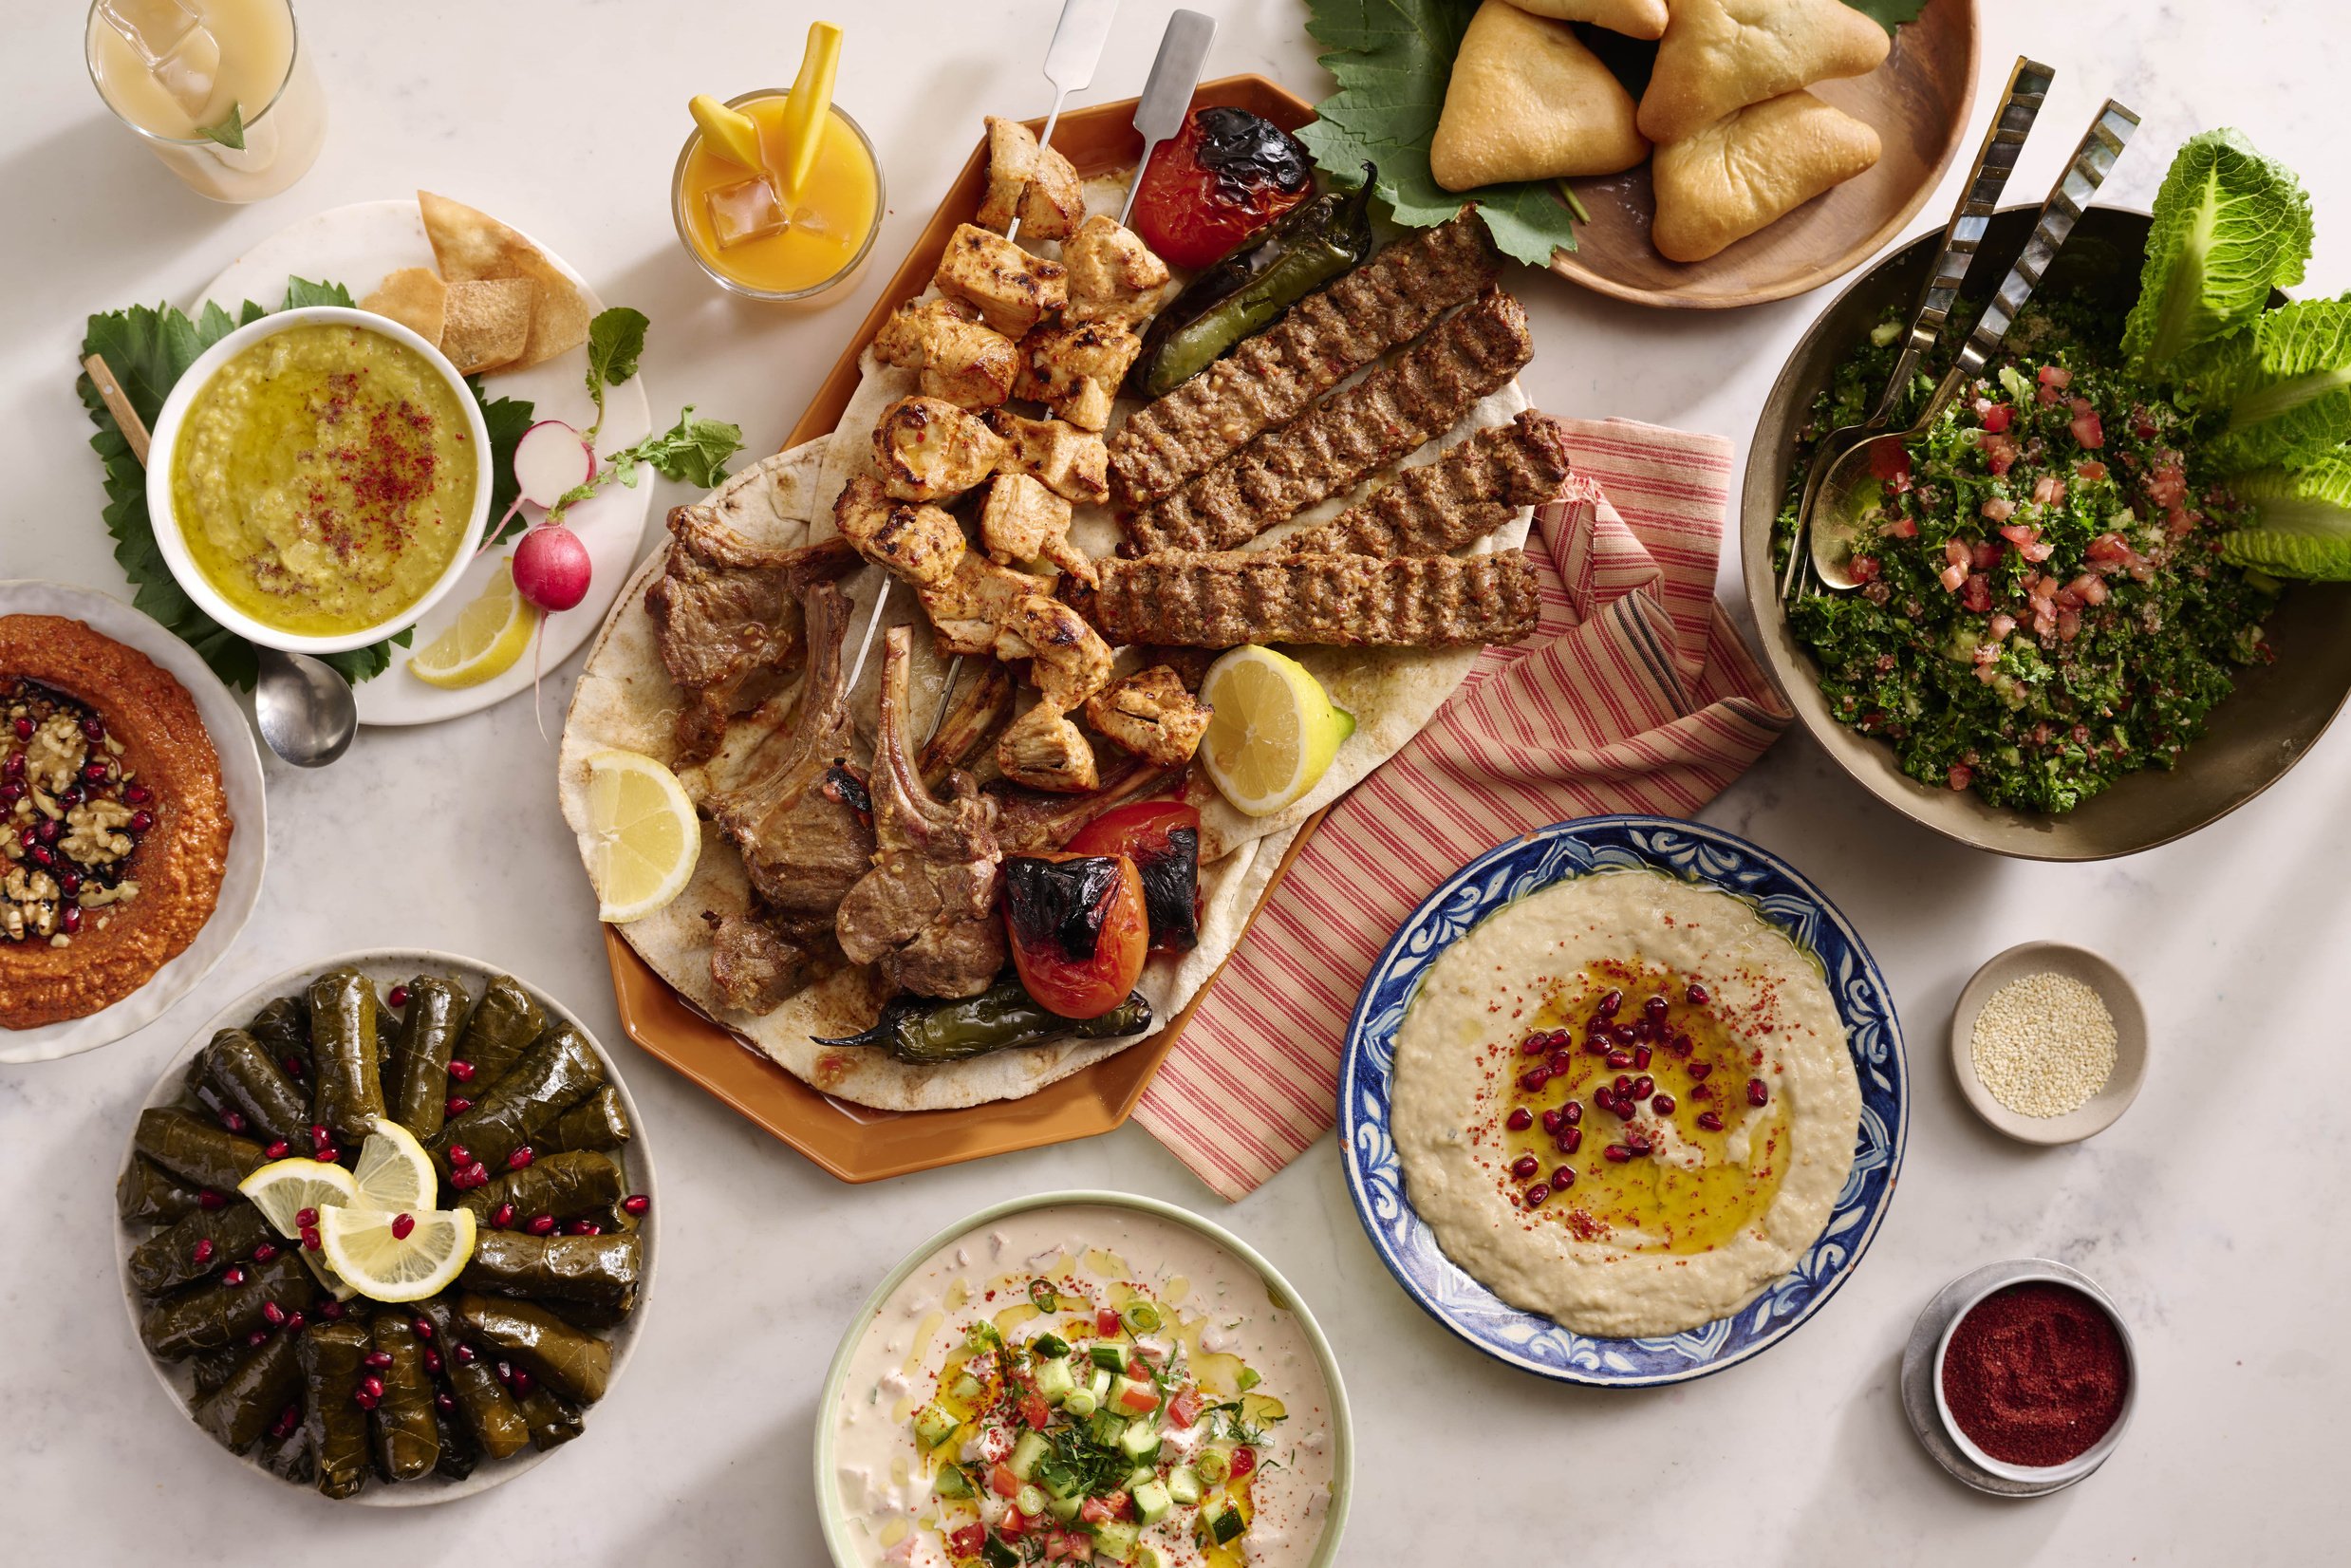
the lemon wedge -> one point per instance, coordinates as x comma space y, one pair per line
403, 1256
283, 1188
732, 134
643, 837
1274, 732
394, 1172
490, 634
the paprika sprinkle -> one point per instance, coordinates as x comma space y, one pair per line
2036, 1373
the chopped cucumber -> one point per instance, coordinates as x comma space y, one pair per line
1136, 1477
1056, 1381
1051, 1346
1109, 1357
1140, 1440
1184, 1484
1247, 1380
1065, 1482
1151, 1501
1220, 1523
1065, 1508
1080, 1403
1099, 1385
1031, 1500
952, 1481
934, 1425
967, 1389
996, 1555
1025, 1455
1116, 1541
1107, 1427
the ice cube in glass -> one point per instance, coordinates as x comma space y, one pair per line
745, 211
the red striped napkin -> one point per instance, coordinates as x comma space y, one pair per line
1635, 695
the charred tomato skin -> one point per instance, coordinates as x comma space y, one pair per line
1162, 837
1078, 929
1222, 178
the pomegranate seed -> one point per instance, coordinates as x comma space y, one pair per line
1603, 1098
465, 1355
1536, 1194
1655, 1007
263, 1252
1618, 1153
635, 1204
72, 919
1757, 1094
1524, 1166
1624, 1034
233, 1275
1560, 1063
1608, 1004
1643, 1087
293, 1067
1572, 1112
1640, 1058
1563, 1176
1533, 1045
432, 1361
24, 729
1520, 1119
331, 1310
520, 1159
46, 831
445, 1402
209, 1199
1598, 1043
306, 1217
1710, 1120
138, 795
378, 1359
1620, 1059
320, 1137
44, 857
1661, 1104
541, 1225
142, 821
1553, 1120
273, 1315
462, 1072
1698, 1071
330, 1155
93, 772
1568, 1141
397, 996
458, 1105
1534, 1078
71, 882
371, 1385
1559, 1039
501, 1216
287, 1419
232, 1121
277, 1149
258, 1338
1638, 1144
423, 1327
459, 1155
310, 1239
524, 1383
404, 1225
364, 1400
1622, 1086
584, 1228
293, 1323
93, 731
204, 1253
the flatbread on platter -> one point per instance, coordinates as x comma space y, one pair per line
625, 700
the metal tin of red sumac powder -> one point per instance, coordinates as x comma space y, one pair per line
2036, 1373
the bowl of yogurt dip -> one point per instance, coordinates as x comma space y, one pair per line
1091, 1371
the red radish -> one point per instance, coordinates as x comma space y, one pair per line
549, 459
551, 567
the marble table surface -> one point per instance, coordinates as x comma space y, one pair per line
2204, 1212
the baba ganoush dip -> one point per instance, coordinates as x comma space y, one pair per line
1084, 1382
324, 478
1626, 1103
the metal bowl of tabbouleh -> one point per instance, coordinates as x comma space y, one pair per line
317, 480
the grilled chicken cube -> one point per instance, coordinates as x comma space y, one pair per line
929, 449
962, 361
1073, 463
1025, 521
1012, 289
1151, 715
1075, 369
1032, 183
1043, 750
919, 544
1114, 275
967, 605
1068, 658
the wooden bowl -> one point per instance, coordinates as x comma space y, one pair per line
2277, 712
1918, 102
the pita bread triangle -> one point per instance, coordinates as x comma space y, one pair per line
1719, 55
1527, 101
1633, 18
473, 247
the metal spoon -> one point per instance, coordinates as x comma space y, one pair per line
2004, 139
305, 710
1847, 500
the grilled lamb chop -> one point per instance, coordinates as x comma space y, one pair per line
726, 618
797, 812
756, 967
1033, 822
926, 914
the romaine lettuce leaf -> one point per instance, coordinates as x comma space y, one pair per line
2300, 520
2229, 225
2306, 556
2286, 386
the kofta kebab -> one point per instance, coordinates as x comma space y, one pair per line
1314, 377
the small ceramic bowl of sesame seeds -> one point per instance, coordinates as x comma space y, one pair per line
2049, 1042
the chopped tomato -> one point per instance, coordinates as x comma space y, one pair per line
2092, 470
1891, 462
1998, 454
1184, 1409
1977, 594
1015, 1522
1100, 1511
1140, 1398
1034, 1413
1903, 527
2054, 379
1997, 419
967, 1542
1961, 775
1244, 1460
2086, 426
1068, 1546
1078, 928
1138, 1369
1105, 1321
1864, 568
1001, 1481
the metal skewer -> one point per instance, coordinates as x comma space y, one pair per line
1069, 61
1158, 114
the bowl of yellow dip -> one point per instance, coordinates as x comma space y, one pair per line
318, 479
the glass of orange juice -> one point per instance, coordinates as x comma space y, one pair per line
742, 239
194, 77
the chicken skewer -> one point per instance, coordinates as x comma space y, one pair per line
1069, 62
1159, 114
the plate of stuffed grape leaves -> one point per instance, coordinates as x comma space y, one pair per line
387, 1227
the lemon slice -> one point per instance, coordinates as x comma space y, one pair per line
643, 837
394, 1172
284, 1189
1274, 732
366, 1249
732, 135
490, 635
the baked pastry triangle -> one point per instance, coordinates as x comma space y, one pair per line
1527, 101
1634, 18
1750, 168
1719, 55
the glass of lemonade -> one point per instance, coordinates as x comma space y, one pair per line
174, 71
730, 223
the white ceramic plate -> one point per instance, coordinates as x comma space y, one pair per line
388, 966
2103, 1109
356, 246
240, 778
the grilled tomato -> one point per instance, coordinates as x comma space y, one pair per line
1222, 178
1078, 930
1162, 837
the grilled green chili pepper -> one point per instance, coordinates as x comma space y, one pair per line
918, 1030
1244, 293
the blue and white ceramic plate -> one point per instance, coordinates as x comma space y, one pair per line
1696, 853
